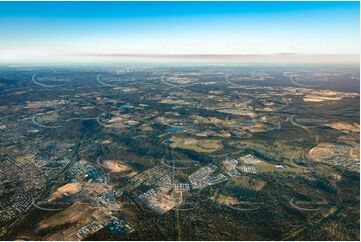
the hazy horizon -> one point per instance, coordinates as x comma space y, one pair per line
226, 32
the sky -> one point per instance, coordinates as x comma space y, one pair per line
50, 31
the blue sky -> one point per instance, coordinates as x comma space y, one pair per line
44, 29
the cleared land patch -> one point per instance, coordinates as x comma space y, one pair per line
198, 145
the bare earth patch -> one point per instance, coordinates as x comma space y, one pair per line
353, 127
115, 166
318, 99
321, 151
75, 213
67, 189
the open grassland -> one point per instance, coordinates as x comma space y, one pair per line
198, 145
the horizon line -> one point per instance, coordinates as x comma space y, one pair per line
276, 58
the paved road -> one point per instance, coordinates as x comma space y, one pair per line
307, 129
304, 231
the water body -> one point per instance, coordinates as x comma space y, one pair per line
125, 107
248, 122
174, 129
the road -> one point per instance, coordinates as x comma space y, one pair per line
315, 137
299, 233
75, 158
